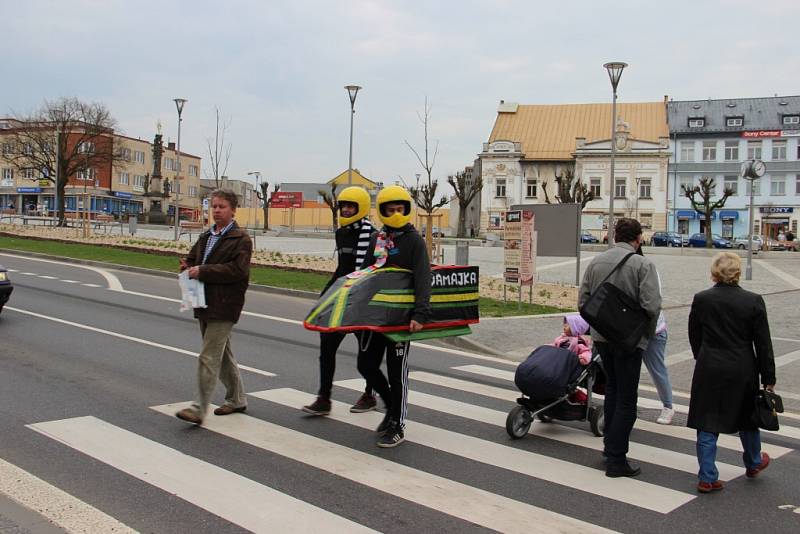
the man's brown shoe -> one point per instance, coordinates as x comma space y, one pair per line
190, 415
708, 487
752, 473
318, 407
227, 409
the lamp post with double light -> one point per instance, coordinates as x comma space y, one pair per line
179, 103
752, 170
614, 69
352, 91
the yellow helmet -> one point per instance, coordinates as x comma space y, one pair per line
357, 196
390, 195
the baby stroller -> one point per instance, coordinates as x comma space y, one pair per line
547, 379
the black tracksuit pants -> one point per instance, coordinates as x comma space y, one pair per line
394, 390
328, 347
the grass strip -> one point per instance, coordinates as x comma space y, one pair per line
262, 275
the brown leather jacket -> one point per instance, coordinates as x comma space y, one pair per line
226, 274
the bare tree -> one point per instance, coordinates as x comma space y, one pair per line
265, 197
425, 195
330, 200
569, 190
220, 154
705, 204
59, 140
465, 190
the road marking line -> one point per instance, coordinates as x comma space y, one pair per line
30, 274
564, 434
574, 476
46, 277
129, 338
437, 493
91, 285
228, 495
113, 282
795, 282
787, 431
71, 281
787, 358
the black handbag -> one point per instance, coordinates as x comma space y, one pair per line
615, 315
768, 406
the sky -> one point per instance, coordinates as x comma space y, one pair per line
277, 69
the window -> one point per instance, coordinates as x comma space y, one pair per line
177, 186
28, 173
645, 185
124, 178
168, 163
192, 170
27, 149
82, 174
8, 148
778, 150
8, 174
687, 150
86, 148
797, 186
734, 121
754, 150
756, 186
619, 188
125, 153
138, 156
686, 184
500, 188
192, 191
530, 190
731, 150
732, 183
646, 220
709, 150
697, 123
138, 182
594, 187
791, 119
777, 186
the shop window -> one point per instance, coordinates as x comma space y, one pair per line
683, 226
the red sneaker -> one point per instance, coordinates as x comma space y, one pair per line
754, 471
708, 487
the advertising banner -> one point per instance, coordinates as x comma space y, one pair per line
519, 253
287, 199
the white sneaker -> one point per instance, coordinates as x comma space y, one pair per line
666, 416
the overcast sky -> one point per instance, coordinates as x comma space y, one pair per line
277, 69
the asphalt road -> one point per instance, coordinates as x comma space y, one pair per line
89, 358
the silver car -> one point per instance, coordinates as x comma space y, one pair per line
740, 242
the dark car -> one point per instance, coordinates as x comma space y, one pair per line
586, 237
669, 239
5, 287
717, 241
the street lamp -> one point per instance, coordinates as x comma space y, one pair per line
614, 74
179, 102
352, 91
752, 170
258, 181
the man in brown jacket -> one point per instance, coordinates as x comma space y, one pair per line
221, 260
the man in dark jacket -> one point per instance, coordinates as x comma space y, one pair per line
221, 260
355, 243
398, 245
639, 280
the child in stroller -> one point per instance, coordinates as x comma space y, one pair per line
557, 381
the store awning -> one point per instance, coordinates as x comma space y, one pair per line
728, 214
686, 214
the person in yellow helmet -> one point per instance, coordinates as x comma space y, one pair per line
399, 245
355, 242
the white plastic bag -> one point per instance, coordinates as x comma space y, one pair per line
193, 293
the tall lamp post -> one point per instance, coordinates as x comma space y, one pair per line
257, 174
752, 170
614, 69
352, 91
179, 103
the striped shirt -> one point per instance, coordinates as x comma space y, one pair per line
213, 237
362, 245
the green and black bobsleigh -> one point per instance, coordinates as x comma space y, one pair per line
382, 301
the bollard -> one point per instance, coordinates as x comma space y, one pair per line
462, 252
132, 223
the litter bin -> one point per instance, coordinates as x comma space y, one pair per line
462, 252
133, 221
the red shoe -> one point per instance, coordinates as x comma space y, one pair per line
708, 487
578, 397
754, 471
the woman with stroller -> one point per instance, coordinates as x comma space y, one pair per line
729, 334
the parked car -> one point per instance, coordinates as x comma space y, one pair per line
586, 237
717, 241
5, 287
741, 241
669, 239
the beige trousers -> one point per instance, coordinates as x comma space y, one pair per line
216, 361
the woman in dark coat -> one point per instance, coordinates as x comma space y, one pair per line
729, 334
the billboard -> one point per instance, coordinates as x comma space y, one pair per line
519, 255
286, 199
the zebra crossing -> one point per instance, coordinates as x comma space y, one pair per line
550, 462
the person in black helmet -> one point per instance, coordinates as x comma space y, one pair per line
400, 245
355, 243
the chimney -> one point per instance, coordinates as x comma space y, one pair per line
171, 146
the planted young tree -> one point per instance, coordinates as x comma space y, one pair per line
59, 140
265, 197
569, 190
702, 198
330, 200
424, 194
220, 154
465, 190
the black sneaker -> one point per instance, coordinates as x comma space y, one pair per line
318, 407
392, 437
385, 424
365, 403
